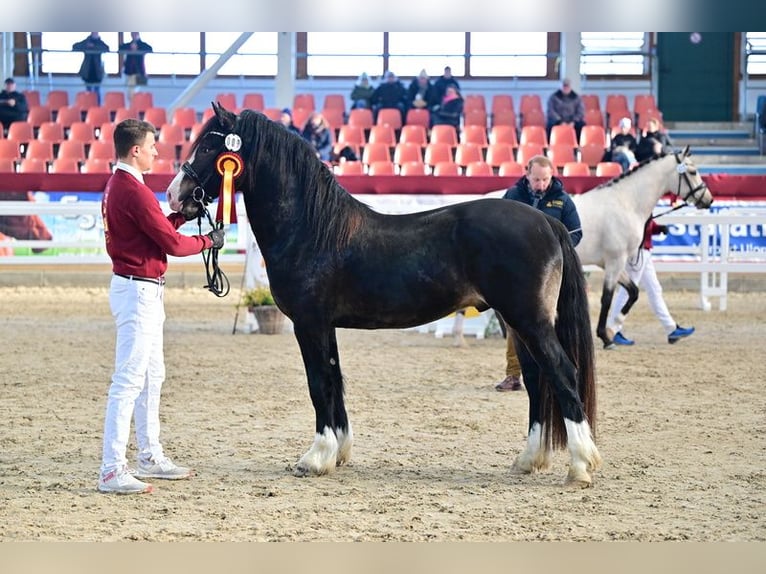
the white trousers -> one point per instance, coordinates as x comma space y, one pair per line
139, 371
644, 275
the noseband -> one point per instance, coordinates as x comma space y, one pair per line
199, 194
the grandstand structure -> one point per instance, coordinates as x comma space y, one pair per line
69, 131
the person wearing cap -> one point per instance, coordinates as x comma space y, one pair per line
13, 104
565, 107
622, 149
421, 94
391, 93
361, 95
286, 119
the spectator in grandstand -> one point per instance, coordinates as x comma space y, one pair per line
92, 67
449, 110
361, 95
391, 93
317, 133
653, 142
540, 189
286, 119
421, 93
622, 149
565, 107
13, 104
443, 82
139, 237
641, 271
133, 66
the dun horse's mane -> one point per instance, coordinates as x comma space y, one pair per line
619, 179
326, 208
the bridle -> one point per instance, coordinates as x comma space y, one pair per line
217, 282
695, 192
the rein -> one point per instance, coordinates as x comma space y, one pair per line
217, 282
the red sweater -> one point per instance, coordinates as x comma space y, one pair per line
138, 235
652, 228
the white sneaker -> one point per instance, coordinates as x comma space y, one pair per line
120, 481
165, 468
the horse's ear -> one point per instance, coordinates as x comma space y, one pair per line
687, 151
227, 118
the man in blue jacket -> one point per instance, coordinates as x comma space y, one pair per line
540, 189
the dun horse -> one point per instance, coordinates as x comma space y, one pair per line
333, 262
613, 216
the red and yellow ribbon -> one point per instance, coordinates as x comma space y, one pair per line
230, 166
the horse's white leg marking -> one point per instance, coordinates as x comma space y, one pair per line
585, 457
534, 458
321, 457
345, 440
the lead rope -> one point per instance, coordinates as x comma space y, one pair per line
217, 282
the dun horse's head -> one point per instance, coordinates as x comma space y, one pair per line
213, 156
691, 187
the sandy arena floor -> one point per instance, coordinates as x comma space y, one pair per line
682, 432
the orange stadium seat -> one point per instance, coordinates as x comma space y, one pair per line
475, 118
334, 101
593, 134
526, 151
560, 154
304, 100
38, 115
7, 165
591, 154
9, 149
228, 100
33, 97
446, 168
360, 117
498, 153
142, 101
466, 153
510, 169
477, 168
533, 117
502, 102
608, 169
350, 168
414, 133
575, 168
408, 152
443, 133
529, 102
533, 135
418, 117
102, 149
85, 100
72, 149
253, 101
156, 116
504, 118
412, 168
590, 102
67, 115
51, 132
389, 116
97, 115
33, 165
474, 134
474, 102
373, 152
503, 134
382, 133
185, 117
56, 99
438, 152
563, 134
37, 149
96, 165
381, 167
163, 166
113, 100
64, 165
594, 118
351, 134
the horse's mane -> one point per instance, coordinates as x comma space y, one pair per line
326, 208
622, 177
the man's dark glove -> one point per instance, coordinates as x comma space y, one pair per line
662, 229
217, 237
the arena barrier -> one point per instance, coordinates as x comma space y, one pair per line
730, 238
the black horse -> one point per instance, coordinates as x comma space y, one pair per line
334, 262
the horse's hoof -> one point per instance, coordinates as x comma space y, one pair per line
301, 471
578, 482
610, 346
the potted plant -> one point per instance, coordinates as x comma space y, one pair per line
260, 302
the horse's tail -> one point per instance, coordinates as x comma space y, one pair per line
574, 333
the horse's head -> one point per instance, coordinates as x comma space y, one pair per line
213, 153
691, 187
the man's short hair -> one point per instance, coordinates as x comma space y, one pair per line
128, 133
